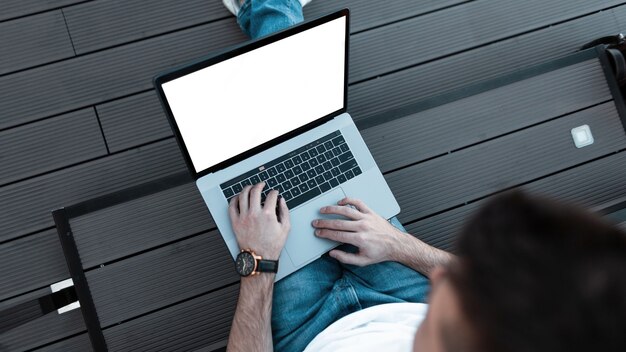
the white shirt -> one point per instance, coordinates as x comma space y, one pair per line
386, 327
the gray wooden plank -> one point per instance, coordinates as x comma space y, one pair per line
199, 322
388, 92
99, 77
133, 121
30, 263
19, 8
454, 125
369, 14
442, 230
617, 217
26, 205
46, 329
434, 78
441, 33
117, 72
139, 119
590, 185
140, 224
50, 144
471, 173
79, 343
102, 24
214, 347
160, 277
33, 40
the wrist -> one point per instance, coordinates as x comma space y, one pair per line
265, 253
263, 283
406, 247
250, 263
398, 242
419, 255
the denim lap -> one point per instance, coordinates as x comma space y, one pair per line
309, 300
259, 18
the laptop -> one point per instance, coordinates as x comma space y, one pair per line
274, 110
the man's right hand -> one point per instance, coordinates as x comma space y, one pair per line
375, 237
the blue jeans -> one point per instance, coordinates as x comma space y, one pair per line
309, 300
258, 18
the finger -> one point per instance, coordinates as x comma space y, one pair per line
270, 201
348, 212
339, 236
244, 199
283, 213
255, 195
343, 225
233, 210
348, 258
359, 204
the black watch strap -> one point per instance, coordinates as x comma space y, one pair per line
268, 266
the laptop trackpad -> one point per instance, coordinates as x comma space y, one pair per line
302, 244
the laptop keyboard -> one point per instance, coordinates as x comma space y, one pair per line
302, 174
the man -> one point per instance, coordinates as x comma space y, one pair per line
531, 275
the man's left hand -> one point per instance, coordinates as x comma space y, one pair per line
258, 227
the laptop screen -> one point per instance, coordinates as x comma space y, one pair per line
235, 105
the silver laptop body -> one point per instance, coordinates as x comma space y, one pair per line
275, 110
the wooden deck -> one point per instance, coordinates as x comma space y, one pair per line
79, 119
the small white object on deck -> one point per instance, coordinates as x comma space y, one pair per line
582, 136
58, 287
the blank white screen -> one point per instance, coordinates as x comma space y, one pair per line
238, 104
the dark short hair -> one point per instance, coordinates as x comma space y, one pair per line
536, 275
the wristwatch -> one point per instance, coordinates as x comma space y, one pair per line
248, 264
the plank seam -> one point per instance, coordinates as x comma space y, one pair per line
26, 292
171, 305
65, 167
27, 235
412, 17
127, 256
350, 84
77, 55
43, 11
36, 66
484, 45
106, 144
67, 29
498, 136
76, 109
84, 162
56, 341
514, 186
155, 35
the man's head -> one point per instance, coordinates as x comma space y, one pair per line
532, 275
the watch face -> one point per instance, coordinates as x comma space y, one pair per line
245, 264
